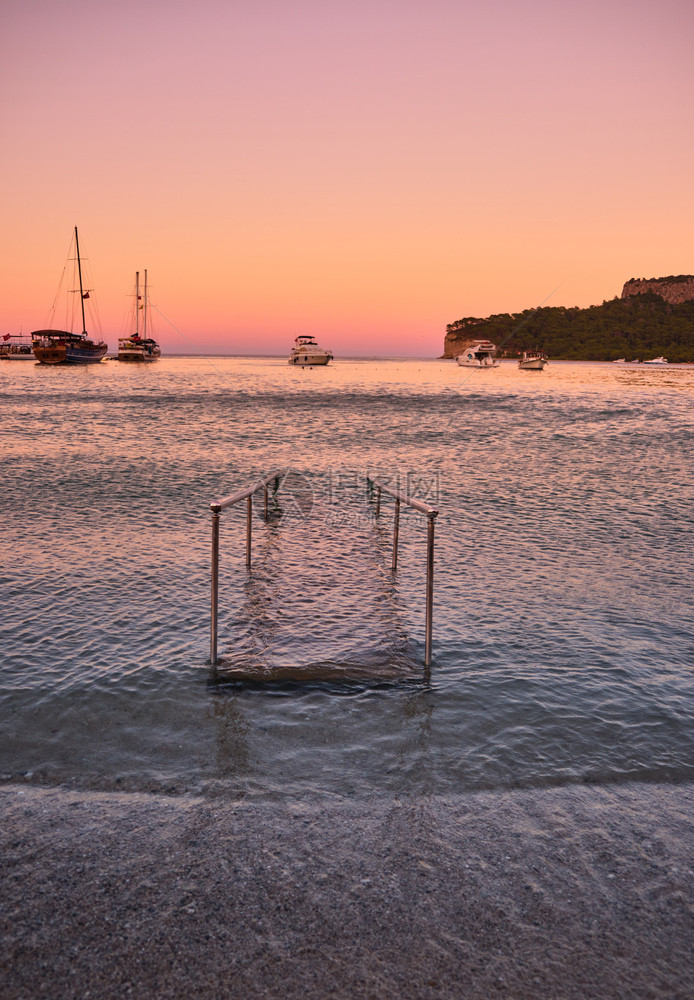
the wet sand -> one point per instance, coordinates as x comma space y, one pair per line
575, 892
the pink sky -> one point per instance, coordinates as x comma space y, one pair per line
364, 171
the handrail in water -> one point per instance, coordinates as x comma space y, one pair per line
247, 493
431, 515
217, 506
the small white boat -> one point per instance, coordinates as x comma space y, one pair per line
620, 361
656, 361
306, 352
532, 362
479, 354
16, 347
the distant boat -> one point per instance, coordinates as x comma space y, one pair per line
135, 347
532, 362
306, 352
16, 347
656, 361
478, 354
620, 361
55, 347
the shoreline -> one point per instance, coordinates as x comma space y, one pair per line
564, 892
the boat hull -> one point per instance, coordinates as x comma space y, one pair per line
16, 355
50, 354
532, 365
78, 354
479, 367
138, 351
482, 363
152, 351
57, 347
309, 360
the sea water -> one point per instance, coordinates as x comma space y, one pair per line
563, 643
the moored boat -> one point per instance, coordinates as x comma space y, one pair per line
532, 362
55, 347
306, 352
478, 354
130, 349
135, 347
656, 361
16, 347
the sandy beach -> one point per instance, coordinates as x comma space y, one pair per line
579, 891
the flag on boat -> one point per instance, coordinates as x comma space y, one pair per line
85, 295
6, 336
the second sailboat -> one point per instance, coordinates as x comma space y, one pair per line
135, 347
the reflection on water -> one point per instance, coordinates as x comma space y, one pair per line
563, 645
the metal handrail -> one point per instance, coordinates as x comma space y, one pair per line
431, 515
217, 506
423, 508
247, 493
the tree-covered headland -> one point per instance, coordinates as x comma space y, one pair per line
636, 327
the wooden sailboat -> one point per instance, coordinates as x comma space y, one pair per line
54, 347
135, 347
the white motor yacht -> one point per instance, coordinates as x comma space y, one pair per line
306, 352
479, 354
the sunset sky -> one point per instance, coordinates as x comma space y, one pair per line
363, 171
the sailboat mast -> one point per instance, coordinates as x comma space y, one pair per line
79, 269
137, 303
144, 319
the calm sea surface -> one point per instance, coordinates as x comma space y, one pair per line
563, 629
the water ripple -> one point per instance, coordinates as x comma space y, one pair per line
565, 540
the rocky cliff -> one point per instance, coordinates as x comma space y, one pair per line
673, 289
460, 334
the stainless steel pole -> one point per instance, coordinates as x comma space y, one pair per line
396, 530
430, 589
215, 589
249, 508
